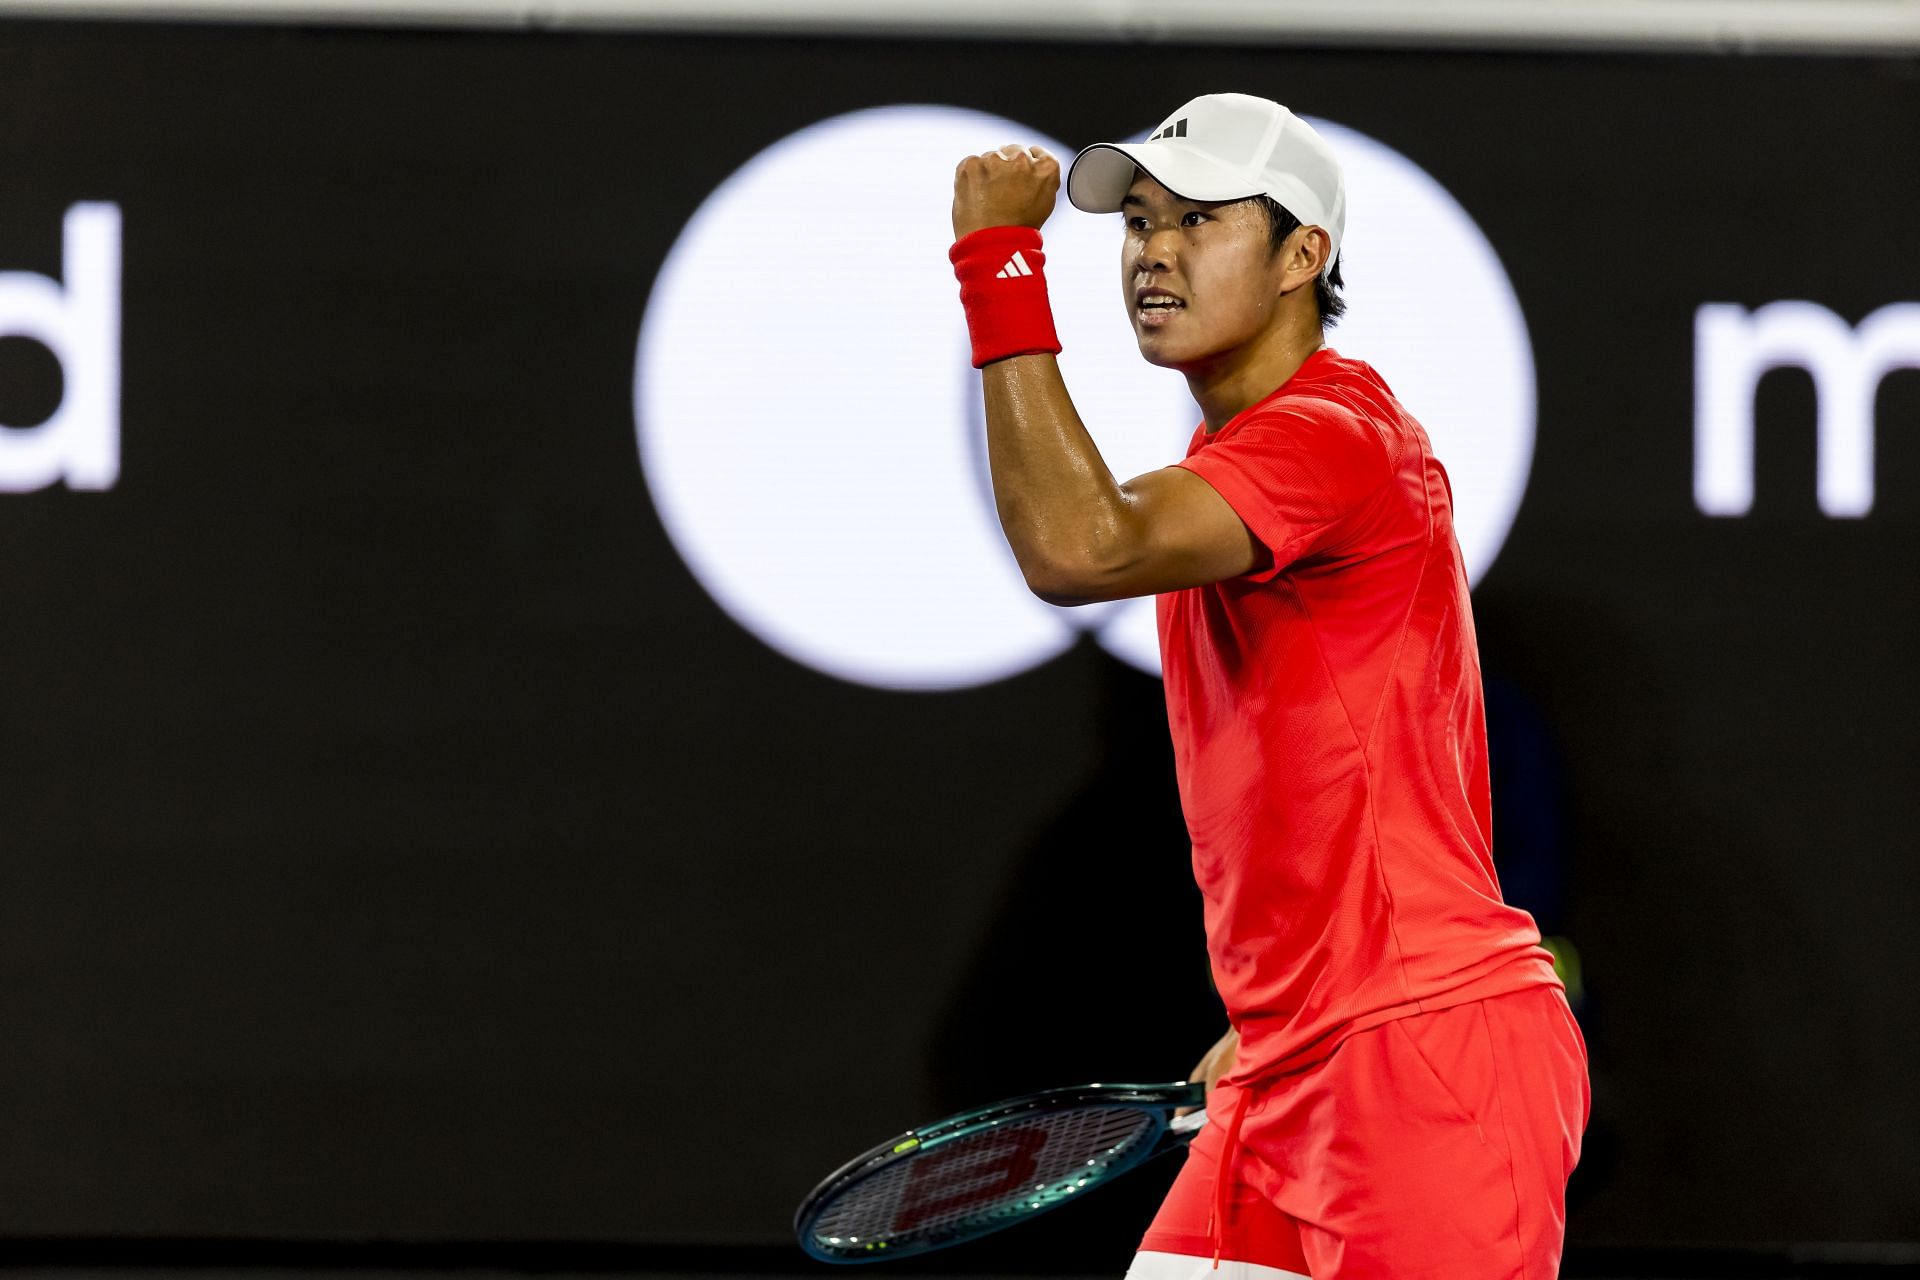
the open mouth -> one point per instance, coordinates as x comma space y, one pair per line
1155, 309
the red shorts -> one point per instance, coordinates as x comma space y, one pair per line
1437, 1145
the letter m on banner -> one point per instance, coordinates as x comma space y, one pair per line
1734, 347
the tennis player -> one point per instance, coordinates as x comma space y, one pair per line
1402, 1089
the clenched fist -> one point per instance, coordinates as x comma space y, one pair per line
1011, 187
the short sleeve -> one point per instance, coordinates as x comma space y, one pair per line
1295, 477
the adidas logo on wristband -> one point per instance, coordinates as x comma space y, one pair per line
1016, 266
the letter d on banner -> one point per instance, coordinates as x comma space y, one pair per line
80, 324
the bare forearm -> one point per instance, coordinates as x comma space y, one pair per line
1063, 513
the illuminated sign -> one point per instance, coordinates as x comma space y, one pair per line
810, 428
1734, 347
80, 325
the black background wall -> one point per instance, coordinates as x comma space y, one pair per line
399, 842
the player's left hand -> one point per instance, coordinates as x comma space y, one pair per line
1218, 1062
1012, 187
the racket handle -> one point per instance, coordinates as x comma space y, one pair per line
1188, 1123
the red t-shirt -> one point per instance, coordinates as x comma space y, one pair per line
1329, 732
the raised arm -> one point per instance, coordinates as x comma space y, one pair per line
1077, 534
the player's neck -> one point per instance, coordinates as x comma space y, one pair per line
1243, 377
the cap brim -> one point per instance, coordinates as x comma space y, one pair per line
1101, 174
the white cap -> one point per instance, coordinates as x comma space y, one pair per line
1223, 146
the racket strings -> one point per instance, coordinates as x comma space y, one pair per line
1012, 1167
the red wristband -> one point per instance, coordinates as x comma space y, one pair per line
1004, 290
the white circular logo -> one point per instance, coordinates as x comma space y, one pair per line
810, 427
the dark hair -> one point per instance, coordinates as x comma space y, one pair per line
1280, 225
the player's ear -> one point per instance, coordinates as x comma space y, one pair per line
1305, 254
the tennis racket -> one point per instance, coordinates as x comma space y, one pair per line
974, 1173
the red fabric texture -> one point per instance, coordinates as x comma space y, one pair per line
1003, 286
1432, 1147
1329, 733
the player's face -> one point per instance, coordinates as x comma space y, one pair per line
1199, 279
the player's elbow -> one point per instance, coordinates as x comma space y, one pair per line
1066, 598
1085, 560
1087, 575
1057, 581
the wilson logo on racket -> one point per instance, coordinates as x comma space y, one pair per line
969, 1178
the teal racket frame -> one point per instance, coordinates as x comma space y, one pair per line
996, 1210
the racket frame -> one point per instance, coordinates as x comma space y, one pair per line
1158, 1101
